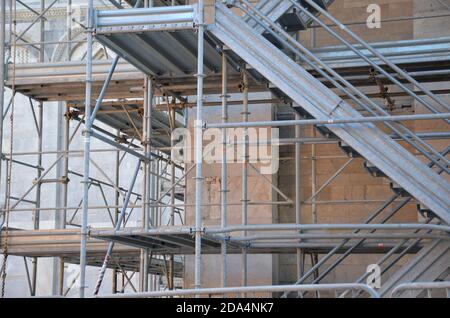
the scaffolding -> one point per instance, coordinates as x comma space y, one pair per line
143, 67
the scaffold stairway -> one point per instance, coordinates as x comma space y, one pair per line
430, 264
284, 12
397, 163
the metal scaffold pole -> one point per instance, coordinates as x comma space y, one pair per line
39, 128
172, 202
224, 167
199, 148
65, 201
298, 185
87, 148
146, 189
58, 263
245, 163
121, 219
61, 218
38, 192
116, 210
155, 210
2, 73
314, 256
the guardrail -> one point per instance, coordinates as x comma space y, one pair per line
145, 19
422, 286
249, 289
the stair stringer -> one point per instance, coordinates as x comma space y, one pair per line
273, 9
396, 162
431, 261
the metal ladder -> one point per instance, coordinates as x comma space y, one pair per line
395, 162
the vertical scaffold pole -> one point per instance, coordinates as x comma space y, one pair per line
39, 145
245, 162
172, 114
66, 147
199, 148
117, 210
2, 71
146, 195
298, 185
65, 190
314, 256
87, 148
69, 29
63, 123
224, 171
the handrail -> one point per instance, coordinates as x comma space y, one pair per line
350, 226
248, 289
421, 286
146, 19
394, 67
339, 82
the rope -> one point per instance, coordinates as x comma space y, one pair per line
9, 167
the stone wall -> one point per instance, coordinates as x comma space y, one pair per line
260, 267
355, 183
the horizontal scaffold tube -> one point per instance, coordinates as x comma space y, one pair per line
144, 11
334, 121
338, 236
305, 227
421, 286
168, 230
248, 289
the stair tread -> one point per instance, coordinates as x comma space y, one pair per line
366, 139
